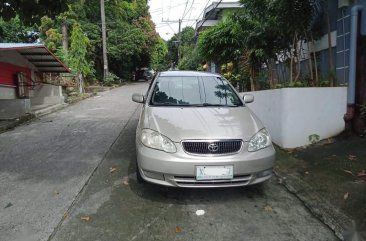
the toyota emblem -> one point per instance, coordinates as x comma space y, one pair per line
213, 147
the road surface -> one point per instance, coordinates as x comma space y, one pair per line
57, 184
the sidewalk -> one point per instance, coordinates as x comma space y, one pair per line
41, 110
330, 180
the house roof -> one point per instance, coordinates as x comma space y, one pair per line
37, 54
221, 5
211, 13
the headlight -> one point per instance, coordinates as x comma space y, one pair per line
155, 140
259, 141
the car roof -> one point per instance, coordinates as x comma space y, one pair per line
186, 73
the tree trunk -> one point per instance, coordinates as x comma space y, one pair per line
331, 63
310, 63
315, 61
65, 36
81, 83
292, 53
252, 85
298, 59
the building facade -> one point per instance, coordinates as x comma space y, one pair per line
21, 72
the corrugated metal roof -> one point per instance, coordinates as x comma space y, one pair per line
43, 59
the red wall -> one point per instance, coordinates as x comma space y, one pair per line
8, 73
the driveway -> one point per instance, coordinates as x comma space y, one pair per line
44, 168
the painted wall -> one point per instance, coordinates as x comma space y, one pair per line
293, 114
12, 62
8, 73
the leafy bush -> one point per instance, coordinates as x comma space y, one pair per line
112, 79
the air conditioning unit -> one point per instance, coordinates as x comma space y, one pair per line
343, 3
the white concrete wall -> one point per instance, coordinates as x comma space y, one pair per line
7, 93
46, 94
11, 109
293, 114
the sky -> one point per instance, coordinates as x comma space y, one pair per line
172, 10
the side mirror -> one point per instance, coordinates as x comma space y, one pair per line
248, 98
139, 98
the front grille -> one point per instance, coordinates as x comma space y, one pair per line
212, 147
190, 181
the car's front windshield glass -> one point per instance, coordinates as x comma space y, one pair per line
193, 91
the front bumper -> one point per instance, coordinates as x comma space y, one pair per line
178, 169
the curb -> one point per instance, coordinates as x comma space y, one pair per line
320, 208
16, 122
49, 110
31, 116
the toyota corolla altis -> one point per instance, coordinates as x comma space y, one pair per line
195, 131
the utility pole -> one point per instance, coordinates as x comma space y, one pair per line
104, 41
179, 21
179, 38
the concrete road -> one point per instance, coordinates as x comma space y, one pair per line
46, 164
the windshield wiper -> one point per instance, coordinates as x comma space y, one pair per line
194, 105
215, 105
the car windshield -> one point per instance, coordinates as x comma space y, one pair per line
194, 91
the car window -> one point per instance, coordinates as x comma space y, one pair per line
193, 91
217, 91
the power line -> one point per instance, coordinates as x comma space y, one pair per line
189, 10
208, 1
185, 8
205, 19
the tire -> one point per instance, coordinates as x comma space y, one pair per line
138, 174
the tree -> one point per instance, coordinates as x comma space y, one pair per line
255, 36
186, 48
14, 31
31, 11
131, 34
159, 60
221, 43
77, 55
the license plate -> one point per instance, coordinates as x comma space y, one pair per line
214, 172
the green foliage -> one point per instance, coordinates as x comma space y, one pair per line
13, 31
77, 53
229, 73
221, 43
112, 79
189, 58
255, 34
31, 11
159, 60
131, 37
53, 39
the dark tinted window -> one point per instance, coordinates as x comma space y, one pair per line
194, 91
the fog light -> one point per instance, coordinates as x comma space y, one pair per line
264, 173
154, 175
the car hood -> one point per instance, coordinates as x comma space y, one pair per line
201, 122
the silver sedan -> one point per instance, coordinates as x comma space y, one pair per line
195, 131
